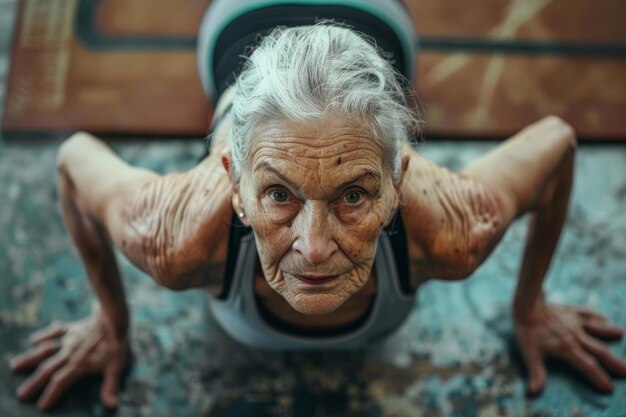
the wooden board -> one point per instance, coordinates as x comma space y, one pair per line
516, 61
486, 68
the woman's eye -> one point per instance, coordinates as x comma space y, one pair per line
353, 197
280, 196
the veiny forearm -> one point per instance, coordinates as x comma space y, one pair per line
96, 251
548, 213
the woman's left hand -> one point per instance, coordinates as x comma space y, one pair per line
570, 334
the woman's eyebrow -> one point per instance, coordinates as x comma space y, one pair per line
267, 167
367, 173
364, 175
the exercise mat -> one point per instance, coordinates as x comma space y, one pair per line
486, 68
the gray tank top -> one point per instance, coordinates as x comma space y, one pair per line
240, 316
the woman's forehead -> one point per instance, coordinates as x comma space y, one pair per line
332, 143
317, 159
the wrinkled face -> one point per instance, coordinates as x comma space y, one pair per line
316, 196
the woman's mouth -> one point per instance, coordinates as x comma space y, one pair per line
316, 279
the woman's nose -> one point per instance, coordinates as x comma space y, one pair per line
315, 241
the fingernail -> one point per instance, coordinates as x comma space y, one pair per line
43, 404
535, 387
111, 403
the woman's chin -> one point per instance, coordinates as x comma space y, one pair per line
315, 304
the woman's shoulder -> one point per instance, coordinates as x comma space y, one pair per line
442, 211
180, 223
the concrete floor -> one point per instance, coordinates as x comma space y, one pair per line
454, 357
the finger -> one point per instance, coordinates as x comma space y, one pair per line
34, 356
536, 369
59, 383
38, 380
587, 313
61, 380
604, 331
110, 386
56, 329
537, 377
589, 366
611, 362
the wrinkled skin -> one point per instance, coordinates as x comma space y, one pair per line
573, 335
316, 197
65, 352
175, 227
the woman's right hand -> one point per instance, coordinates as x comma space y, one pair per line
65, 352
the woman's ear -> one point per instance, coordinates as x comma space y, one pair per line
227, 163
236, 197
238, 207
405, 166
403, 171
397, 191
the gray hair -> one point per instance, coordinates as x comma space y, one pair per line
306, 73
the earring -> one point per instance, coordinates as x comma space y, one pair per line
242, 214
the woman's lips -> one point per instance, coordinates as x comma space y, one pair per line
315, 279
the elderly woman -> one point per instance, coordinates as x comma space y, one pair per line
313, 221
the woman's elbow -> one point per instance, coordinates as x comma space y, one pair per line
174, 273
567, 134
71, 147
165, 274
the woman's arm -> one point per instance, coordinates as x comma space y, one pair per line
169, 226
532, 173
467, 215
459, 218
173, 227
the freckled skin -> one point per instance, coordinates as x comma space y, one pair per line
308, 220
315, 230
176, 232
175, 227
